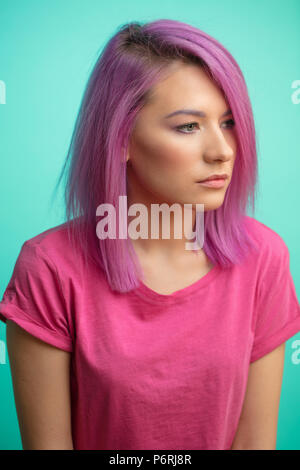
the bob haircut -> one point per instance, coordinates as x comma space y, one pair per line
134, 60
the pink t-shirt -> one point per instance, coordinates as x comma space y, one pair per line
148, 370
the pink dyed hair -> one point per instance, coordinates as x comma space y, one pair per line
133, 61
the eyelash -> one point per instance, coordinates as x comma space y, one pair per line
193, 123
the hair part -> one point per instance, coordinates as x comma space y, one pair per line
131, 63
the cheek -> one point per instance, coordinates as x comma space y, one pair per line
159, 156
232, 141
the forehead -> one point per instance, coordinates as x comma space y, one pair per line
185, 86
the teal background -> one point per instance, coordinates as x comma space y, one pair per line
47, 51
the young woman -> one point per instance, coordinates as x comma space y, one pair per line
140, 343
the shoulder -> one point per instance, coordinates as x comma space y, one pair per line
273, 250
53, 246
52, 241
268, 239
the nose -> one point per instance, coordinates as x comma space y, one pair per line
217, 146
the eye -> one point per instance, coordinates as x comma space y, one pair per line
230, 123
185, 126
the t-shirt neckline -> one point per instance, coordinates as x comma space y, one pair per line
149, 294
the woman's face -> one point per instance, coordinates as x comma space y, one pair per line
169, 155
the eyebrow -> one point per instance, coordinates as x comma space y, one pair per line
194, 112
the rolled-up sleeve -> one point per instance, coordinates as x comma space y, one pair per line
34, 298
278, 310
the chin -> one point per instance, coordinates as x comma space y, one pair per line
211, 205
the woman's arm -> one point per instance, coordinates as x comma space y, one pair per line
41, 377
257, 427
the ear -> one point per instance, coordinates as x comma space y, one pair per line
127, 155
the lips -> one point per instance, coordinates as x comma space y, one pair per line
214, 178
